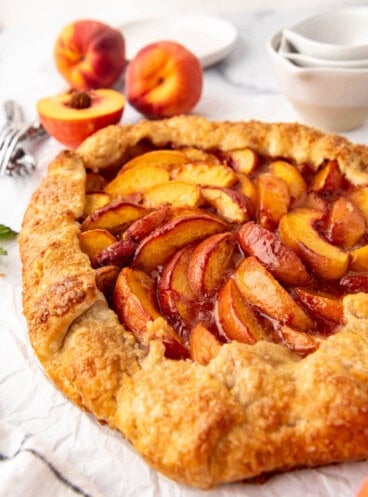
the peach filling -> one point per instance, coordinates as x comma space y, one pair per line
195, 248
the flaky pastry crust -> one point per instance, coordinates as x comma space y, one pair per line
254, 408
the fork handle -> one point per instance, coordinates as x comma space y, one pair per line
13, 113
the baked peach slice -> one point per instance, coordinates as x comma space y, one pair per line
261, 289
273, 200
106, 277
93, 241
135, 304
247, 187
161, 158
95, 182
210, 263
206, 174
203, 345
298, 341
119, 253
175, 193
157, 248
297, 230
136, 180
193, 212
316, 201
73, 116
197, 155
277, 257
115, 216
174, 293
346, 224
321, 304
328, 179
359, 197
292, 177
354, 283
359, 259
236, 317
230, 204
143, 226
122, 251
162, 331
135, 301
244, 161
95, 201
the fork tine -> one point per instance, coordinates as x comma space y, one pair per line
21, 164
8, 148
4, 133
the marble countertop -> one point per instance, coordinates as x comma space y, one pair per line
241, 87
246, 75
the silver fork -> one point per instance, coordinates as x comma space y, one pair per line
21, 164
10, 133
14, 159
9, 140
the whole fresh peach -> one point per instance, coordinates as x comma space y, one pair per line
90, 54
164, 79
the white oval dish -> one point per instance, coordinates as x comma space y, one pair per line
336, 35
210, 38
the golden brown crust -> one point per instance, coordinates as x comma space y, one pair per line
58, 281
253, 409
108, 147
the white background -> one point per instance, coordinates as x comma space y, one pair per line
25, 12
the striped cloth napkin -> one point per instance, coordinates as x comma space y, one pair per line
28, 469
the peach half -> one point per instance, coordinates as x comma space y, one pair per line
72, 117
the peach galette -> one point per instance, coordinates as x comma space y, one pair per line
202, 287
